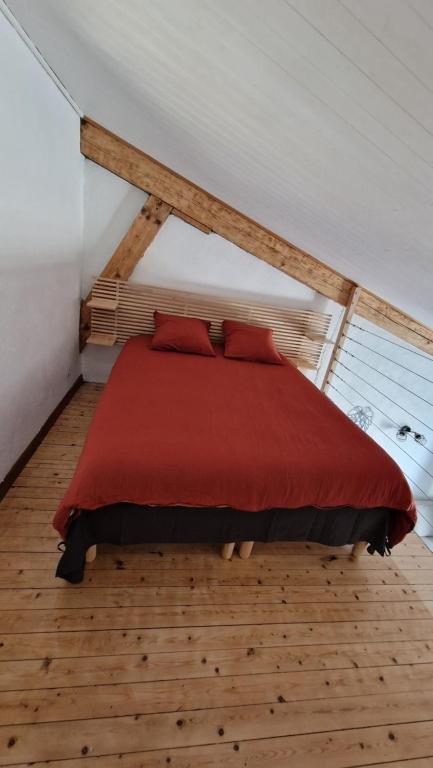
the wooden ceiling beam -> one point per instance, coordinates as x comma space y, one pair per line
191, 221
192, 202
133, 165
386, 316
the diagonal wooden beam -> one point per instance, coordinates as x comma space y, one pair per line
139, 236
131, 164
128, 253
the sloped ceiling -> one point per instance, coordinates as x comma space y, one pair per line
315, 117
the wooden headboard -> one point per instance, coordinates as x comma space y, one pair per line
122, 309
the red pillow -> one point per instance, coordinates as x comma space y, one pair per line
181, 334
249, 342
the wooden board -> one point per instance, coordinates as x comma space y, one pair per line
329, 749
167, 654
137, 732
102, 339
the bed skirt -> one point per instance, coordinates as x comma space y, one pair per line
134, 524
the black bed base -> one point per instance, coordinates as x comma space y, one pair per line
135, 524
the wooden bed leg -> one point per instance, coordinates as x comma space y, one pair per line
358, 549
227, 550
91, 554
245, 549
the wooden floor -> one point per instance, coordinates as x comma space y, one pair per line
168, 655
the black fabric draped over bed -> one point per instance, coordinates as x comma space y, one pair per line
135, 524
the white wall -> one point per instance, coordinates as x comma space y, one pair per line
365, 370
40, 245
180, 257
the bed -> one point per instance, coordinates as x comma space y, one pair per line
185, 448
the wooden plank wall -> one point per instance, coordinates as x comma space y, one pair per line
169, 655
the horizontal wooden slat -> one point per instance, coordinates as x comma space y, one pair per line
47, 672
124, 641
30, 504
50, 620
44, 473
330, 749
119, 642
298, 333
109, 304
47, 454
185, 577
23, 527
41, 482
102, 339
119, 559
124, 699
421, 762
139, 596
21, 517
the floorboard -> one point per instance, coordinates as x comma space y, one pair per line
168, 655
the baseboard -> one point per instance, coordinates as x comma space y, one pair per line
37, 440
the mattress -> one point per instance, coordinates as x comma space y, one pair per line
184, 430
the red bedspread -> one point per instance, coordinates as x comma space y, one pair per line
190, 430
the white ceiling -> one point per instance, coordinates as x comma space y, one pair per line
315, 117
